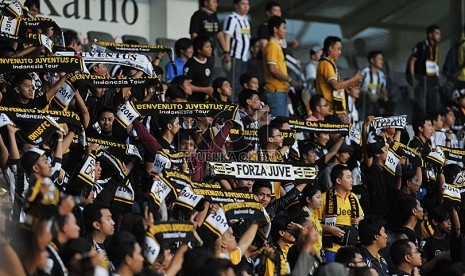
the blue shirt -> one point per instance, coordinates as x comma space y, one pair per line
169, 72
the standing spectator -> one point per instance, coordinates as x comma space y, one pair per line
237, 42
204, 22
458, 97
373, 239
423, 71
329, 82
184, 51
312, 66
353, 93
277, 79
405, 257
373, 84
199, 69
461, 62
339, 215
448, 122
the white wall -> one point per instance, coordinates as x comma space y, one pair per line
147, 18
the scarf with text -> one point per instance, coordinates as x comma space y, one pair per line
319, 127
129, 111
42, 64
259, 170
164, 234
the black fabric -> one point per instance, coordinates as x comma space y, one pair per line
200, 75
380, 185
432, 247
279, 205
204, 24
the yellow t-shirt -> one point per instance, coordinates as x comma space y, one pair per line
234, 257
343, 214
273, 54
285, 267
324, 73
313, 217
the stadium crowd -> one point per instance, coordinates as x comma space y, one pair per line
113, 165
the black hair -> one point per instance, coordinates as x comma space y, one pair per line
275, 22
369, 228
330, 41
263, 134
158, 70
374, 54
106, 109
235, 2
407, 204
270, 5
179, 80
218, 83
182, 44
185, 134
439, 214
408, 173
30, 3
315, 101
257, 185
70, 36
279, 224
164, 120
245, 95
338, 172
279, 122
431, 29
346, 255
92, 212
19, 79
360, 271
450, 172
308, 192
419, 122
245, 78
72, 247
399, 249
120, 246
195, 261
175, 92
199, 42
456, 269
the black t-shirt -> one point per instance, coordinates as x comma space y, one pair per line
432, 247
380, 188
412, 235
262, 32
204, 24
423, 51
398, 272
200, 74
36, 103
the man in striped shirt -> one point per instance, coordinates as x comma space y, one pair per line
237, 37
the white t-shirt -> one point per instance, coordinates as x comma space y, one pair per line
372, 82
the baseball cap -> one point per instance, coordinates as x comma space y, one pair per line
457, 94
346, 148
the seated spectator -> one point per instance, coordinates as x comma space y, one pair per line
184, 83
405, 257
373, 239
249, 81
184, 51
350, 256
222, 90
319, 108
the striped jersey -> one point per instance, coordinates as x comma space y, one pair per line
239, 28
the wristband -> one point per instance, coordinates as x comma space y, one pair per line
289, 80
